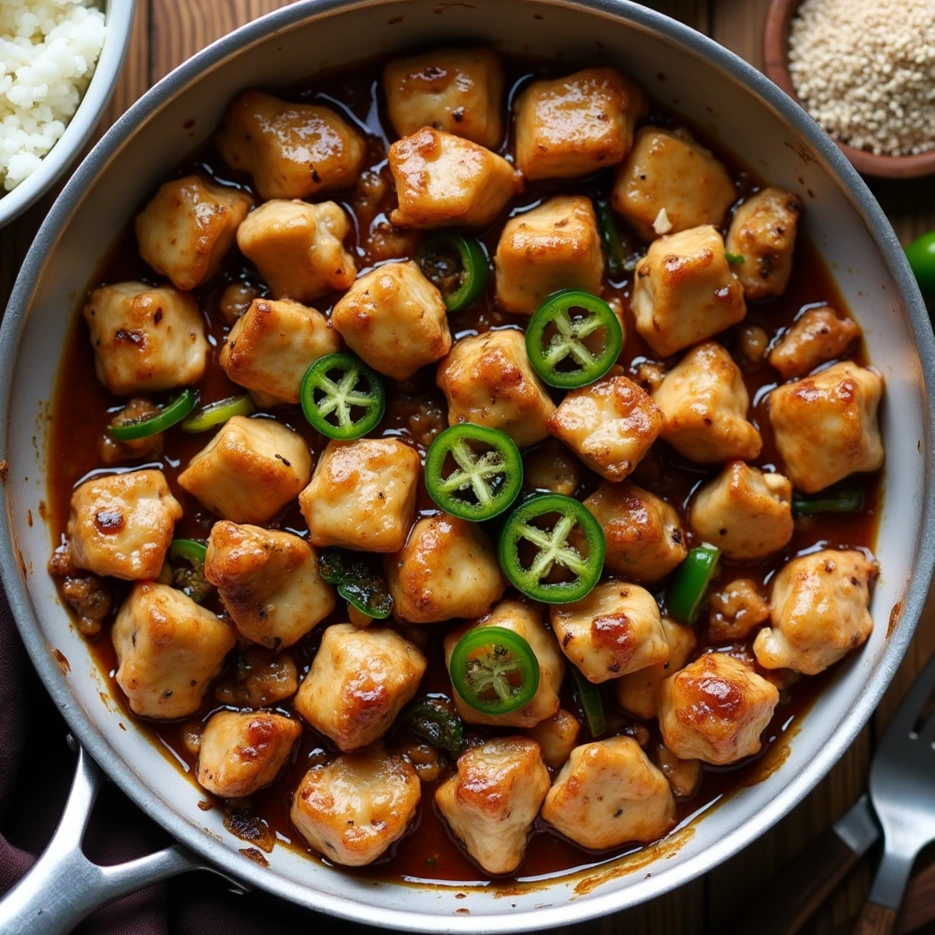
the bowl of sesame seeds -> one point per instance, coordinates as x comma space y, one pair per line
865, 71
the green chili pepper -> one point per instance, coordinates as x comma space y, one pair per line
494, 670
690, 584
735, 258
590, 697
610, 238
168, 416
356, 581
187, 561
555, 339
554, 549
487, 475
921, 256
845, 500
207, 417
431, 722
331, 392
457, 266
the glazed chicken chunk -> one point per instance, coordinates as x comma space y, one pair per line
715, 710
122, 524
459, 91
820, 611
298, 248
249, 470
556, 736
554, 246
816, 337
609, 794
354, 808
241, 752
168, 650
572, 126
615, 630
487, 379
395, 319
684, 776
362, 495
358, 683
448, 568
290, 150
185, 232
444, 180
268, 581
826, 425
736, 610
145, 339
684, 291
258, 677
551, 466
493, 799
705, 402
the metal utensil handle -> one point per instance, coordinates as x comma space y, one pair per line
63, 886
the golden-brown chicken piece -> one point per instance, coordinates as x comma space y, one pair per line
555, 246
684, 776
168, 650
273, 344
448, 568
249, 470
736, 610
643, 534
610, 425
358, 683
816, 337
395, 319
362, 495
243, 751
257, 678
290, 150
568, 127
715, 710
615, 630
556, 736
608, 794
744, 511
122, 524
145, 339
443, 180
670, 183
826, 425
684, 291
487, 379
298, 248
493, 799
551, 466
268, 581
705, 402
185, 232
528, 620
820, 611
459, 91
113, 452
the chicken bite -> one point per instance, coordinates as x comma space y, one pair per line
487, 379
568, 127
684, 776
826, 425
145, 339
362, 495
556, 736
493, 799
820, 611
608, 794
816, 337
257, 678
554, 246
736, 610
705, 402
443, 180
395, 319
290, 150
715, 710
122, 524
249, 471
168, 650
684, 291
551, 466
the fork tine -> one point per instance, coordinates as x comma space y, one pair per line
908, 712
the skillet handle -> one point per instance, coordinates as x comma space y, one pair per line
63, 886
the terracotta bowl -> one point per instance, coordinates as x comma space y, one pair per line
776, 66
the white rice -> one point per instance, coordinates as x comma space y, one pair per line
48, 50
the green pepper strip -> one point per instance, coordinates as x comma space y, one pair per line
690, 584
357, 583
437, 257
207, 417
846, 500
610, 238
568, 341
495, 477
339, 398
590, 697
494, 670
431, 722
554, 549
191, 579
168, 416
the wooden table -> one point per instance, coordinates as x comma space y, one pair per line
169, 31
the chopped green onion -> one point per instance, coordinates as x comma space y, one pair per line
207, 417
168, 416
690, 582
590, 697
735, 258
845, 500
610, 238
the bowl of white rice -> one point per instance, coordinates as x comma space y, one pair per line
59, 61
